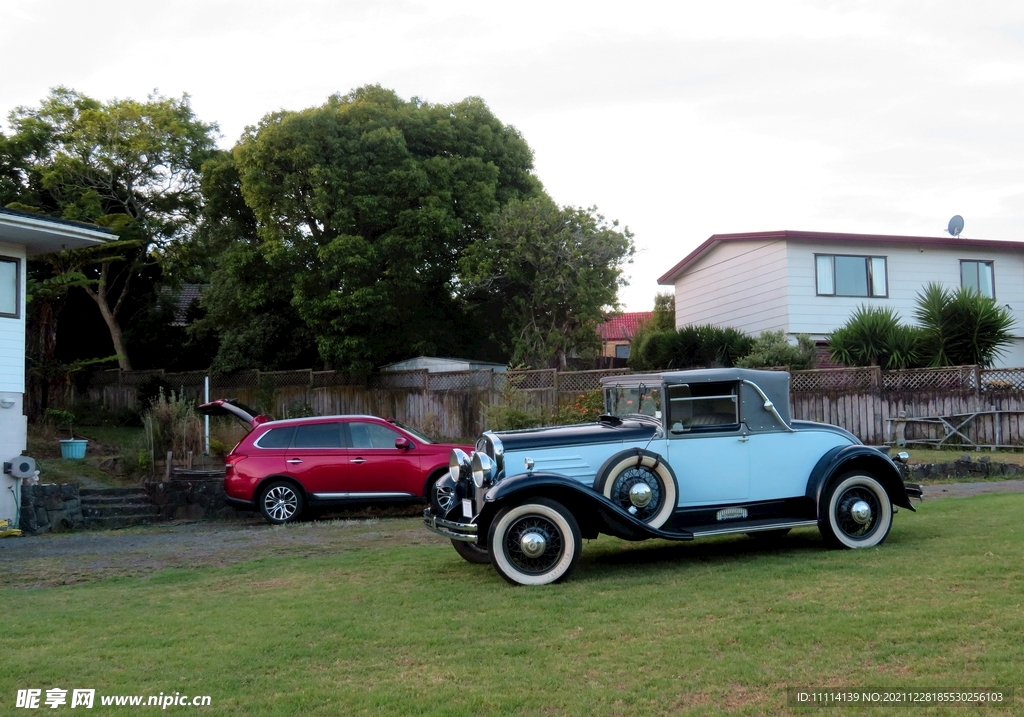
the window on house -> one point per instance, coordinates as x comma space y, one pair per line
841, 275
978, 275
622, 351
10, 294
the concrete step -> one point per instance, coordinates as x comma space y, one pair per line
107, 492
141, 510
117, 507
118, 521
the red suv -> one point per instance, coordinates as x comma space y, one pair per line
284, 467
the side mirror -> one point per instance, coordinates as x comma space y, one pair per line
403, 444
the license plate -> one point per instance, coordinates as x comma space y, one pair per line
467, 508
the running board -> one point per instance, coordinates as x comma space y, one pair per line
705, 531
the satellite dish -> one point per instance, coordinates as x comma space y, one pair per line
956, 225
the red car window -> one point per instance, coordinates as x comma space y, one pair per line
318, 435
276, 438
372, 435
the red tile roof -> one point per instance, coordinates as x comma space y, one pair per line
623, 326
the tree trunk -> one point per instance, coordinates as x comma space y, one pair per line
110, 316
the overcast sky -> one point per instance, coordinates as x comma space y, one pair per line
679, 119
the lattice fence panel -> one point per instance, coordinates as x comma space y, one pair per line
953, 378
583, 381
834, 380
238, 379
398, 379
458, 380
323, 379
106, 378
531, 380
1002, 379
137, 378
279, 379
186, 379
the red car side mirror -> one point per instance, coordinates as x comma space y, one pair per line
403, 443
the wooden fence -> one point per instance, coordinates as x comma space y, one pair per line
862, 400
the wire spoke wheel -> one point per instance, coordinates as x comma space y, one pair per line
846, 519
534, 543
627, 482
548, 532
640, 483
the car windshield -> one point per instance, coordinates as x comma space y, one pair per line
413, 431
632, 400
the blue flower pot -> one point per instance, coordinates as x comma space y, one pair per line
73, 448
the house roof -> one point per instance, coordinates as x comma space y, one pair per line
623, 326
440, 364
183, 298
868, 239
41, 234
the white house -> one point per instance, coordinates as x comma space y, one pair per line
810, 282
23, 235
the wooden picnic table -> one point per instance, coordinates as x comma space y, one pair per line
954, 425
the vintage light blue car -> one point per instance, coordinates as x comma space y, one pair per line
678, 455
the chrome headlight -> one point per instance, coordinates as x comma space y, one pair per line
458, 464
483, 469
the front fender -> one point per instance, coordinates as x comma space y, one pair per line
595, 513
844, 458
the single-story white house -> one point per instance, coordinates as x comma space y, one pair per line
23, 235
811, 282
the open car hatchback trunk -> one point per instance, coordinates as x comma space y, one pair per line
231, 407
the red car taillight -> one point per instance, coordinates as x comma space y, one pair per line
230, 460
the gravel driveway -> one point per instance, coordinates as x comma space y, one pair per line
70, 558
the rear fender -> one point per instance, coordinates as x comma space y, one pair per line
594, 513
859, 457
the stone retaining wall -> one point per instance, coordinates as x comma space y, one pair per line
963, 467
190, 498
49, 506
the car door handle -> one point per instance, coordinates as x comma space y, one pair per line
294, 460
358, 460
744, 439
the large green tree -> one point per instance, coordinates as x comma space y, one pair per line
556, 270
130, 165
363, 207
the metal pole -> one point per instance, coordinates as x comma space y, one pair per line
206, 419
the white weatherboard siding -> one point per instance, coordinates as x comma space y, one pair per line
13, 423
910, 268
12, 334
737, 284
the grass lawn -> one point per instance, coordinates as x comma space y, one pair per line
109, 446
656, 628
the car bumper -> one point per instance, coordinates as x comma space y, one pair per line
239, 504
466, 532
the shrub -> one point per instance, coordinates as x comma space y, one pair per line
585, 408
873, 336
962, 328
172, 424
772, 349
690, 346
514, 411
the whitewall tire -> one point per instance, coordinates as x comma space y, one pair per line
631, 478
855, 511
535, 543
